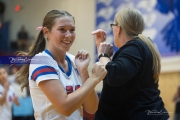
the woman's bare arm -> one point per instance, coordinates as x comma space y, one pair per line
91, 102
67, 104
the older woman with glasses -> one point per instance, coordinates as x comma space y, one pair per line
130, 88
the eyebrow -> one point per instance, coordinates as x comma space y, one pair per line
66, 26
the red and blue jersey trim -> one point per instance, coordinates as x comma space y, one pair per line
43, 70
69, 64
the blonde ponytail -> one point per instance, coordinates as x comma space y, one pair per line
155, 55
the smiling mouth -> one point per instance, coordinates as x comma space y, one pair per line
67, 42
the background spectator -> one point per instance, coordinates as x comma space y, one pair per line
22, 38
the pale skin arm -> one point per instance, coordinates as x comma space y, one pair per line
91, 102
67, 104
3, 97
104, 60
105, 48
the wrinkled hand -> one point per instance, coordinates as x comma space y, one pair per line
105, 48
82, 59
100, 36
98, 72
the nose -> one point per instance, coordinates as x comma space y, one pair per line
68, 34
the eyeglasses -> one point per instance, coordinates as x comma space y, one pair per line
112, 24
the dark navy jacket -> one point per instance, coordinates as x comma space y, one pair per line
129, 91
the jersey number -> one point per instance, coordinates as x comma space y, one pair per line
69, 89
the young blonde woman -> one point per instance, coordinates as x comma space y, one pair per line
59, 82
7, 96
130, 88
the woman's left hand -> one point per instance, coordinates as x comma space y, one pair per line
105, 48
82, 59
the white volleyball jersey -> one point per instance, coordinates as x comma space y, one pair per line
44, 67
5, 109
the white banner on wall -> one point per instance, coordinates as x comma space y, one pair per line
162, 19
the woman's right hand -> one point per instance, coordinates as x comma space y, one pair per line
82, 59
100, 36
98, 72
